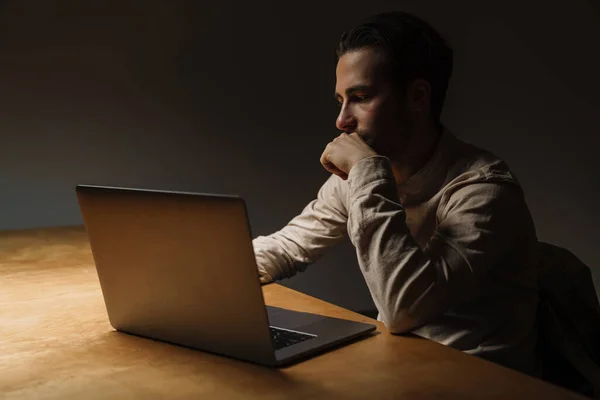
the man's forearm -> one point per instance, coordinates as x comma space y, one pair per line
320, 225
396, 270
411, 285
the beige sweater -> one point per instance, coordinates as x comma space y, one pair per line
448, 255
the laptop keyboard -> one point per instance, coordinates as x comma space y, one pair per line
284, 338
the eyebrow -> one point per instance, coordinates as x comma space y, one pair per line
353, 89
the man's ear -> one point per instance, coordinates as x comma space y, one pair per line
419, 96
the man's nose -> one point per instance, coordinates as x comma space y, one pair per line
345, 120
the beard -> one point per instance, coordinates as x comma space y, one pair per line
389, 138
369, 138
379, 143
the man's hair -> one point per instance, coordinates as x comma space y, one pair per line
412, 48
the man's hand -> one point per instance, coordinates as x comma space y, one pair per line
343, 152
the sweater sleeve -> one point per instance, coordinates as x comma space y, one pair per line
411, 285
320, 225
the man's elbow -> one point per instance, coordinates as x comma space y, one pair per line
399, 321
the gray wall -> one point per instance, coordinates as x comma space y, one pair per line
237, 98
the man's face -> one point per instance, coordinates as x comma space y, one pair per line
369, 105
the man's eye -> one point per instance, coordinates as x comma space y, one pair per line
357, 98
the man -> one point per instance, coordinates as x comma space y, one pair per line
443, 236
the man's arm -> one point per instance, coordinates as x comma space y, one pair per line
304, 239
481, 222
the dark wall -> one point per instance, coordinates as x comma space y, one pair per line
238, 98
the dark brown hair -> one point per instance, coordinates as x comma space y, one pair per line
411, 46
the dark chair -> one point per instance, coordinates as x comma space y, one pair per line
569, 321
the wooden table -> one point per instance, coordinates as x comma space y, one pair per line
56, 342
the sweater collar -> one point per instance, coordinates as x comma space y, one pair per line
433, 173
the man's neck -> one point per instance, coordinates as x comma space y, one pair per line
419, 151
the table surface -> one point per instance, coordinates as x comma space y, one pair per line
56, 342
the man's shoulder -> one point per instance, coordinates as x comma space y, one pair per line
469, 162
479, 178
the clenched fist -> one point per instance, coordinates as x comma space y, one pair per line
343, 152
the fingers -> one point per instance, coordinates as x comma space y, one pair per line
343, 152
264, 277
355, 136
325, 158
335, 170
329, 166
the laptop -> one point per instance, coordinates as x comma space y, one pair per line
180, 268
